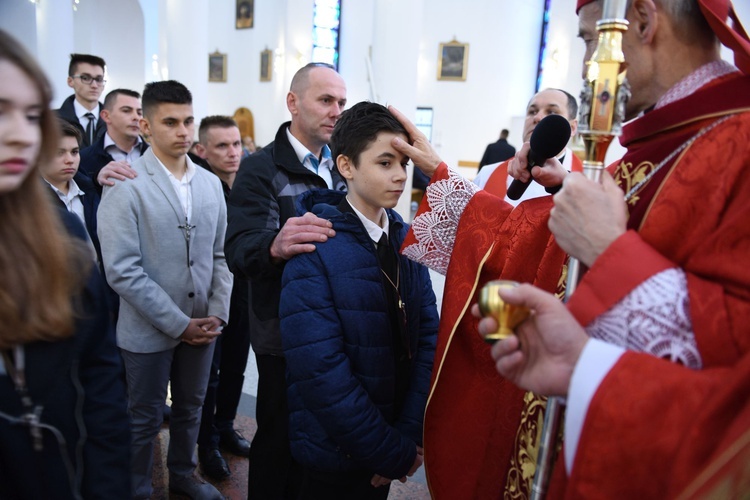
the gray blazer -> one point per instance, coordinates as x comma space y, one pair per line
146, 257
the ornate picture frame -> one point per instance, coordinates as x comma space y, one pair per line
217, 67
266, 65
245, 14
453, 61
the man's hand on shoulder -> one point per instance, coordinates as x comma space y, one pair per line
298, 235
119, 170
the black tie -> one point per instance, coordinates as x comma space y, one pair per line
90, 128
386, 257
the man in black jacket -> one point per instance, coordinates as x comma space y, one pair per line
263, 233
86, 78
498, 151
220, 150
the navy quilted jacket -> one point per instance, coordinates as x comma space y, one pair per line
338, 344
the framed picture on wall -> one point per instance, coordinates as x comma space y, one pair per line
244, 17
217, 67
453, 61
266, 65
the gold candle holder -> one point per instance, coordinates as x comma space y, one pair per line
508, 316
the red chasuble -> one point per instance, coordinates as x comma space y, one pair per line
473, 414
696, 443
694, 213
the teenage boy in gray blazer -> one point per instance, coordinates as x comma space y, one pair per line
162, 238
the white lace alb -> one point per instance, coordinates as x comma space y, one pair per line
653, 318
435, 230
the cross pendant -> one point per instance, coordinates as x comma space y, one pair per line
187, 227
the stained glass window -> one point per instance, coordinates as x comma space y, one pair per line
542, 45
326, 25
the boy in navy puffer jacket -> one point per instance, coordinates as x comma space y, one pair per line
358, 324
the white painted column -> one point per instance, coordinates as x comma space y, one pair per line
395, 64
184, 43
55, 43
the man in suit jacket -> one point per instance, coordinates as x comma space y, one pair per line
498, 151
86, 78
162, 237
121, 144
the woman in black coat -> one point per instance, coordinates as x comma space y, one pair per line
63, 424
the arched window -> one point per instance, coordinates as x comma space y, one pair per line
326, 24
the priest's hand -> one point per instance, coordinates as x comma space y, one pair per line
588, 216
550, 174
420, 150
542, 354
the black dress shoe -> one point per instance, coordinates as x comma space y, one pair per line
234, 443
213, 464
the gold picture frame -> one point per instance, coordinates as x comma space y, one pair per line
266, 65
245, 14
453, 61
217, 67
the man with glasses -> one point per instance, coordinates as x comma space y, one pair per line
86, 78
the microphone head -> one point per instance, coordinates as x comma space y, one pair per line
549, 137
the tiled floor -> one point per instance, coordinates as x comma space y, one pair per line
235, 487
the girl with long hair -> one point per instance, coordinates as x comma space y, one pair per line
63, 424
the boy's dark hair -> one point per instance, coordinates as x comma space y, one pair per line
68, 130
109, 101
219, 121
84, 58
169, 92
359, 126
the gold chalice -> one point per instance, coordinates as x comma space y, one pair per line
508, 316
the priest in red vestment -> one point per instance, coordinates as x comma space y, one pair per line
682, 434
667, 266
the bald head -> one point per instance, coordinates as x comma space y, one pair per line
550, 102
316, 98
301, 79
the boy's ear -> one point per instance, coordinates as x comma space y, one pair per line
145, 126
345, 166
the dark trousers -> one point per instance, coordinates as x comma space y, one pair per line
318, 485
274, 474
227, 374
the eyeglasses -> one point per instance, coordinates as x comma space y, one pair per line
88, 79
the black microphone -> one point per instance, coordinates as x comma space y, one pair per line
549, 137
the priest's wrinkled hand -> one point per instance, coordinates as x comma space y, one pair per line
420, 150
542, 354
588, 216
550, 174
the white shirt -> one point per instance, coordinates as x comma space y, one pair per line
182, 186
375, 231
72, 200
324, 169
73, 204
118, 154
81, 112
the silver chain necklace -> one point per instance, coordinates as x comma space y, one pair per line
674, 153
